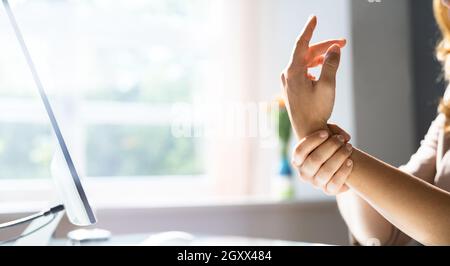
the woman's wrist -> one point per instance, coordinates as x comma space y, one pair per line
304, 131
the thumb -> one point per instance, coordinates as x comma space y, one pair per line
330, 67
335, 129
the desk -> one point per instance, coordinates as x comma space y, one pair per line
137, 239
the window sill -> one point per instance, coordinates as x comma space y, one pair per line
243, 202
25, 196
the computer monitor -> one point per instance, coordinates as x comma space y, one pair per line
64, 173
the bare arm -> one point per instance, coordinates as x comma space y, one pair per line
365, 223
414, 206
324, 163
417, 208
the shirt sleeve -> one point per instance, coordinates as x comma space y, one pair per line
423, 163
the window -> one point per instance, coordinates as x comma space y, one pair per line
121, 66
114, 71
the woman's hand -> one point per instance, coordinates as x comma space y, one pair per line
323, 160
310, 101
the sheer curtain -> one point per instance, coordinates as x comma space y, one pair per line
242, 153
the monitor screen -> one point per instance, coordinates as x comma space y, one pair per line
63, 170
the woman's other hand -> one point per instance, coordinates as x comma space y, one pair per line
322, 160
310, 101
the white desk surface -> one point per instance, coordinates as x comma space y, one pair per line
138, 239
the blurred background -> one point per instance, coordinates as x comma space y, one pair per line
115, 70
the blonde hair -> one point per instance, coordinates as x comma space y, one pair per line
441, 13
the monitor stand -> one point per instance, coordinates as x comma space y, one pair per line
42, 236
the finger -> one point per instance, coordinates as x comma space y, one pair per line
307, 145
330, 67
311, 77
304, 177
316, 61
302, 46
283, 79
337, 183
321, 48
321, 154
332, 165
339, 131
343, 189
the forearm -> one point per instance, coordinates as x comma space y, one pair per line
417, 208
363, 221
366, 224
